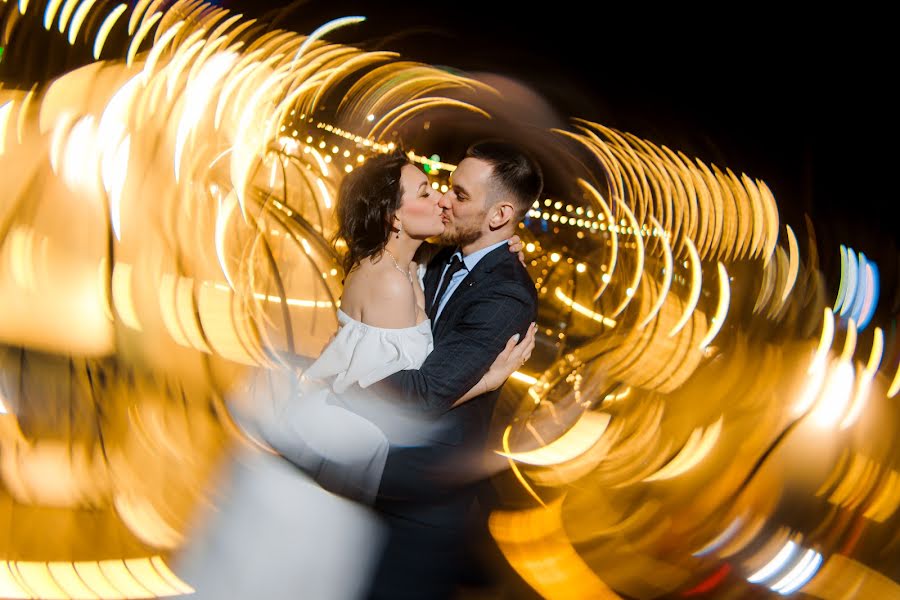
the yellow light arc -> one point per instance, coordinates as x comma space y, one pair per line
607, 277
793, 265
694, 295
842, 288
135, 43
139, 9
78, 19
584, 310
586, 432
667, 276
698, 445
639, 266
853, 273
50, 13
721, 309
515, 469
863, 386
825, 340
106, 27
324, 30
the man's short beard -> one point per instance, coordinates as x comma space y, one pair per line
461, 237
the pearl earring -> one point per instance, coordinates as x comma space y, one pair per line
399, 229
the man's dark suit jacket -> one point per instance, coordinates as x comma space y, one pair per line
426, 490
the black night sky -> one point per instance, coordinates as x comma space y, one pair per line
797, 99
802, 99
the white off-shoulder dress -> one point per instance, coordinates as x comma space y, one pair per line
296, 522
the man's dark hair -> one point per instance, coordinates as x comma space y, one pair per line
514, 172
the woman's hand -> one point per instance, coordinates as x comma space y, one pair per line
516, 246
513, 357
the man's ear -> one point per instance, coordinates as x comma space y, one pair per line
501, 213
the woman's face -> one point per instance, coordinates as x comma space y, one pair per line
419, 213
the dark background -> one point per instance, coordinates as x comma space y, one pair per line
799, 99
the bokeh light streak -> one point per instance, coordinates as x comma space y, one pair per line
844, 281
5, 117
107, 579
107, 25
721, 313
583, 310
515, 469
799, 575
78, 18
694, 295
667, 277
777, 563
864, 383
793, 264
586, 432
323, 30
134, 46
852, 283
697, 447
168, 283
65, 14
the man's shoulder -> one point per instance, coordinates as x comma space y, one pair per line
509, 280
509, 269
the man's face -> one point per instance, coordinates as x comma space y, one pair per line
464, 213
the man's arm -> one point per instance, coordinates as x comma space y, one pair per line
464, 354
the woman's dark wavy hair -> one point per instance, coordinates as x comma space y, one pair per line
366, 202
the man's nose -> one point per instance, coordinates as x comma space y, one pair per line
444, 201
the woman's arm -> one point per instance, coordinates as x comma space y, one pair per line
463, 354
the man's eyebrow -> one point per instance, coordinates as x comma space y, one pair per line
458, 188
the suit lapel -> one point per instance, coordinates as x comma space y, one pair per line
463, 289
472, 282
433, 275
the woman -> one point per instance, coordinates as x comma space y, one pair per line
294, 520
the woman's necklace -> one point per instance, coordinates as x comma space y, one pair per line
397, 266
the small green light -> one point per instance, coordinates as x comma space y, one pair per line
426, 167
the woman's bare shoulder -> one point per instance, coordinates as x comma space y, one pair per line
379, 296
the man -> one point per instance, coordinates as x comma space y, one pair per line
478, 295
